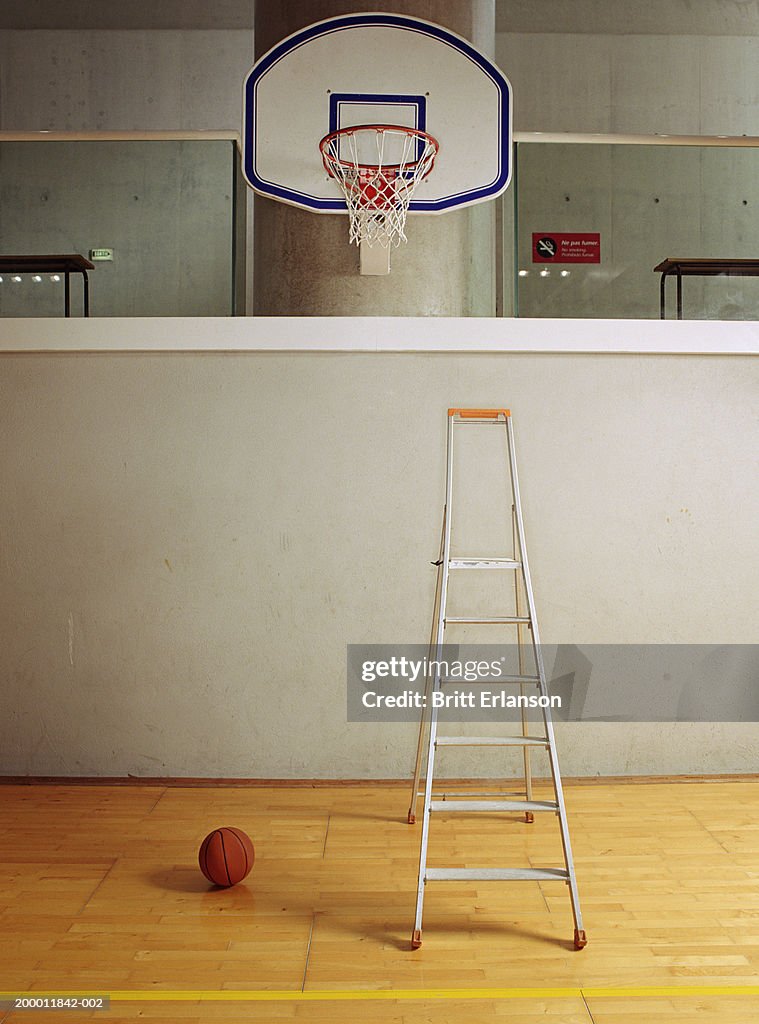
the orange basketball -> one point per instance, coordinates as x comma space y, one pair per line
226, 856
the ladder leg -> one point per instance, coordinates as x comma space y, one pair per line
416, 935
580, 938
411, 817
529, 817
423, 721
420, 749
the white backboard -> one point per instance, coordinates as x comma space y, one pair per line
376, 68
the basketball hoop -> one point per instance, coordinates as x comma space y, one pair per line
378, 167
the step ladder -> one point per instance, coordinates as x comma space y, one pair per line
530, 675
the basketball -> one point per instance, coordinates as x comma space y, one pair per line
226, 856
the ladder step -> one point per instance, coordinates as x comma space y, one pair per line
493, 619
456, 806
472, 421
483, 563
469, 795
496, 874
492, 741
491, 680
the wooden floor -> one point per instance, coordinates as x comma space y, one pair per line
100, 891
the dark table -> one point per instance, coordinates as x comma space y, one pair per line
699, 268
71, 263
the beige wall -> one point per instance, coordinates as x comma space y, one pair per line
190, 540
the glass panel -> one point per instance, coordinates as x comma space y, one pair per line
613, 212
166, 209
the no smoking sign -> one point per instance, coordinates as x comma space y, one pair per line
560, 247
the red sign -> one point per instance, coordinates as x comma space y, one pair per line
558, 247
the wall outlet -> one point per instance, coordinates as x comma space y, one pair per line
101, 255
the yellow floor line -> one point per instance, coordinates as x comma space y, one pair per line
325, 995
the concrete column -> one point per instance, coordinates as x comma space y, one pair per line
304, 265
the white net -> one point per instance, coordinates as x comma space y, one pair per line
378, 168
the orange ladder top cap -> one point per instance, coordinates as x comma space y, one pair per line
479, 414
